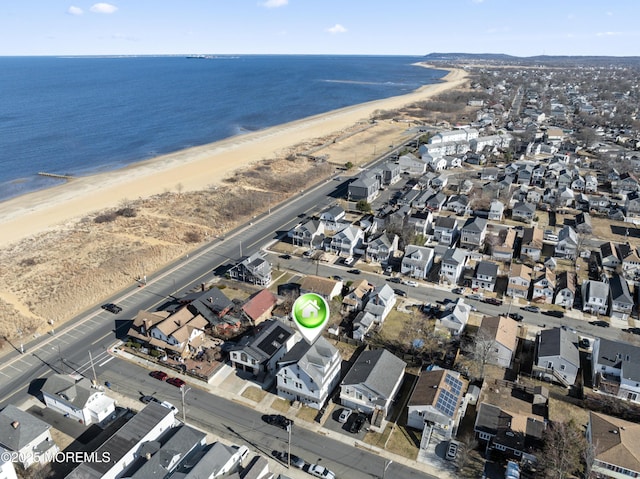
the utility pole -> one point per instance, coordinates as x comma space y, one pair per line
289, 427
184, 390
387, 463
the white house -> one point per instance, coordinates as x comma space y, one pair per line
77, 398
417, 261
485, 276
345, 241
30, 437
372, 382
595, 297
332, 217
453, 321
557, 355
412, 165
309, 372
380, 302
615, 369
452, 264
498, 335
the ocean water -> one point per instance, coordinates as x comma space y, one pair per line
83, 115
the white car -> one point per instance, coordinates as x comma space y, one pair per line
411, 283
168, 405
321, 471
344, 415
349, 261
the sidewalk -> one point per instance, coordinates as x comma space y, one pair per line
216, 387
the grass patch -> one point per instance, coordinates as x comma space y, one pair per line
254, 393
378, 439
405, 442
346, 350
307, 413
280, 405
394, 325
280, 278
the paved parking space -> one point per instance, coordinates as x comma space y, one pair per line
333, 425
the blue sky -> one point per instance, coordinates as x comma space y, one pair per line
388, 27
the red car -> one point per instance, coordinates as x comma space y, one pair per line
159, 375
177, 382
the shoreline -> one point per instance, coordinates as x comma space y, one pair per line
191, 169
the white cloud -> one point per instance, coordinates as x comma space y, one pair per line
608, 34
477, 1
103, 8
274, 3
73, 10
337, 28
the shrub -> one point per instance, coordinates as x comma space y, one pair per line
105, 217
156, 353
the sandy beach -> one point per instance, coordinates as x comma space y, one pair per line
187, 170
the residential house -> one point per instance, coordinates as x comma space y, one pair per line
616, 369
595, 297
621, 299
626, 183
452, 264
355, 299
525, 174
421, 221
583, 223
380, 302
437, 401
473, 233
414, 166
439, 182
372, 382
523, 212
259, 306
461, 134
489, 174
332, 218
614, 443
78, 398
557, 355
218, 461
609, 255
498, 336
565, 289
345, 241
512, 418
544, 287
259, 353
503, 251
532, 243
366, 187
519, 281
214, 306
417, 261
453, 320
578, 184
459, 204
391, 173
7, 470
632, 204
308, 235
485, 276
126, 444
496, 210
445, 230
362, 324
436, 201
564, 181
567, 246
631, 265
325, 287
254, 269
534, 195
25, 437
163, 462
382, 247
180, 333
309, 372
590, 183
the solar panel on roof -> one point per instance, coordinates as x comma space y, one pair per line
447, 403
454, 383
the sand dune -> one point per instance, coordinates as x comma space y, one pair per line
191, 169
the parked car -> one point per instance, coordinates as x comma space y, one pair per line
457, 290
349, 261
354, 271
284, 457
168, 405
400, 292
177, 382
159, 375
112, 308
516, 316
531, 309
358, 423
452, 451
285, 256
411, 283
277, 420
344, 415
394, 280
554, 313
474, 296
148, 399
493, 301
602, 324
308, 253
337, 278
320, 471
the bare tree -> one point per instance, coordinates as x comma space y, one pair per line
478, 352
563, 448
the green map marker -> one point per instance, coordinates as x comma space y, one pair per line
310, 313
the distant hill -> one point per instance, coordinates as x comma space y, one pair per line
537, 60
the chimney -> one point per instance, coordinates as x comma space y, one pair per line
15, 424
202, 286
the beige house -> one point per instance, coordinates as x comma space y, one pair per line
327, 288
519, 281
500, 334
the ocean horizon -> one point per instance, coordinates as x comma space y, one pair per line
84, 115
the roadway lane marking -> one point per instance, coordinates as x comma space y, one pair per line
105, 362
